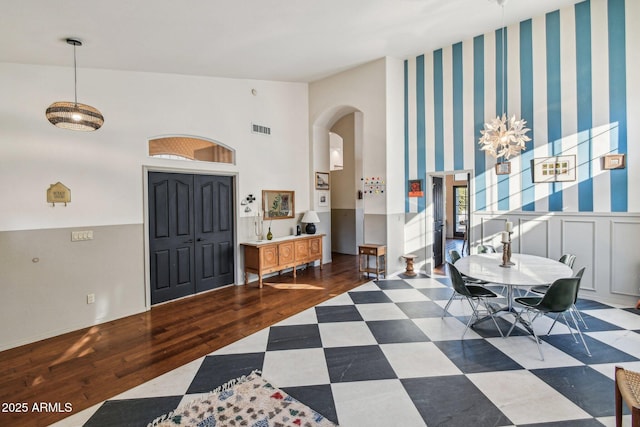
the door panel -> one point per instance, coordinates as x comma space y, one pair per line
438, 221
170, 236
214, 231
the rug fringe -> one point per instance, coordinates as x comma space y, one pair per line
231, 383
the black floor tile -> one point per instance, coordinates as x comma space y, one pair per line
369, 297
471, 356
453, 401
132, 412
584, 386
437, 294
218, 370
317, 397
337, 313
418, 309
294, 337
600, 352
359, 363
393, 284
396, 331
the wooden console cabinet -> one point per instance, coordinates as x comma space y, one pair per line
269, 256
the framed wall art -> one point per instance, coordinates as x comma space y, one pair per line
278, 204
554, 169
322, 180
323, 199
503, 168
613, 161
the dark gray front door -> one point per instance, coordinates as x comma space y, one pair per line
190, 234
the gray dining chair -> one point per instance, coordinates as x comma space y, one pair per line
475, 295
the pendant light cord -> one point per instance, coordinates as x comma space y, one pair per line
75, 76
504, 65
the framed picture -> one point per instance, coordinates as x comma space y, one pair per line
554, 169
416, 188
503, 168
322, 180
278, 204
613, 161
323, 199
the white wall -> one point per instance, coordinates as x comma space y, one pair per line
104, 170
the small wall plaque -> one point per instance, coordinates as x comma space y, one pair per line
613, 161
58, 193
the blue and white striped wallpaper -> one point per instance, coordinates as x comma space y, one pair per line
568, 74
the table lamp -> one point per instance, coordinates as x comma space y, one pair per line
310, 217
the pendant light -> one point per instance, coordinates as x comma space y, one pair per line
73, 115
504, 136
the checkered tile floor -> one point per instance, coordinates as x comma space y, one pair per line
381, 355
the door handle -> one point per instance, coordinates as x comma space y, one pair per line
199, 239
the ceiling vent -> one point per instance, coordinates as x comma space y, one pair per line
263, 130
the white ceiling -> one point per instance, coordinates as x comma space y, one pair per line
287, 40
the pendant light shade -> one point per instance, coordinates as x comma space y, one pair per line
73, 115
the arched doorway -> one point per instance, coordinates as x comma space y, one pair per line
343, 204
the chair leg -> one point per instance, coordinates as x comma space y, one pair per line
535, 336
618, 400
575, 309
553, 324
491, 313
568, 326
446, 307
474, 315
580, 333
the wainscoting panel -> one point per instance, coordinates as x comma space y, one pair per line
491, 230
533, 236
579, 239
625, 262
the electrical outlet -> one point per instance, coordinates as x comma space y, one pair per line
91, 298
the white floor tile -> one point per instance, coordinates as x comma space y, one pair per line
306, 317
382, 311
520, 395
288, 368
375, 403
77, 420
621, 318
343, 334
426, 282
524, 351
626, 341
415, 360
369, 286
406, 295
445, 329
251, 344
609, 369
172, 383
342, 299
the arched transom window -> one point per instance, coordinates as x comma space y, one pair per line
190, 148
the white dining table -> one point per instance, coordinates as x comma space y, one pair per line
527, 270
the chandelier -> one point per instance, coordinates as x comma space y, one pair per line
73, 115
504, 136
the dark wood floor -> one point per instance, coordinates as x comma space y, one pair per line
88, 366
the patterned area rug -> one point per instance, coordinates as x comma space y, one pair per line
248, 401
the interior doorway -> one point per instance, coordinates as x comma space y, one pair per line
451, 214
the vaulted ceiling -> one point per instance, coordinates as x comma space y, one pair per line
286, 40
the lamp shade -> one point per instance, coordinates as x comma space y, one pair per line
310, 217
74, 116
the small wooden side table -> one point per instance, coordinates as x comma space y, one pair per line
377, 251
409, 259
